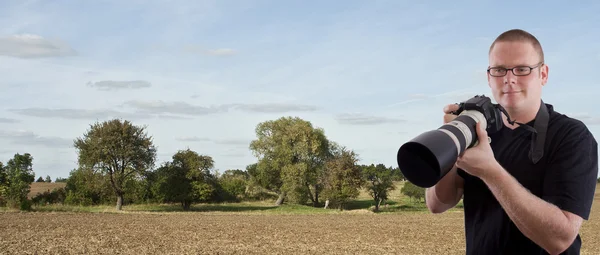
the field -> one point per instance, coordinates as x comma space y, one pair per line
41, 187
248, 228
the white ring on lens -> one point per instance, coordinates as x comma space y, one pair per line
454, 138
477, 117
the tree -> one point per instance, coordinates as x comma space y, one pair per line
19, 176
86, 186
187, 178
291, 156
3, 184
233, 183
413, 191
48, 179
343, 178
40, 179
379, 181
118, 148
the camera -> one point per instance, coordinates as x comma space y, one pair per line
427, 158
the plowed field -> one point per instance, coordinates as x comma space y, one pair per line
352, 232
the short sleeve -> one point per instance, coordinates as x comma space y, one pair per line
462, 173
571, 176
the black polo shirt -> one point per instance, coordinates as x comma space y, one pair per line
564, 175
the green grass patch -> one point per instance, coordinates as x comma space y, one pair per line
397, 203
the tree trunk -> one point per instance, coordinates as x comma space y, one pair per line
280, 199
316, 201
378, 204
186, 205
119, 202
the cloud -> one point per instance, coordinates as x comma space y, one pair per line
273, 107
179, 107
221, 52
88, 114
216, 141
33, 46
117, 85
361, 119
211, 52
67, 113
158, 109
7, 120
30, 138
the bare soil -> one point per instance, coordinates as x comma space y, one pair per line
244, 233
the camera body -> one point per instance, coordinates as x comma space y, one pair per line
491, 112
427, 158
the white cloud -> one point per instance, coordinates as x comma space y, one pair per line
8, 120
243, 142
22, 137
119, 85
364, 119
33, 46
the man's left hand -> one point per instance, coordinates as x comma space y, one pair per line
478, 160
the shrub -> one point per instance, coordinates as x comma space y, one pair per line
413, 191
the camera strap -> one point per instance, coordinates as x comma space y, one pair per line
538, 130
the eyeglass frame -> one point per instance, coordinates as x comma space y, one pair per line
513, 69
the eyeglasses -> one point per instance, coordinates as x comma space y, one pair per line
517, 70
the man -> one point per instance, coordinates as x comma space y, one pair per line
529, 189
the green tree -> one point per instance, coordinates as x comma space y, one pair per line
19, 175
234, 183
413, 191
379, 182
86, 186
343, 178
48, 179
40, 179
118, 148
187, 179
291, 156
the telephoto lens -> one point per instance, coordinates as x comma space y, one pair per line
427, 158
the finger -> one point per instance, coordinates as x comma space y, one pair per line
481, 133
450, 108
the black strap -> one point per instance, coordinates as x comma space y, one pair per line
539, 129
538, 138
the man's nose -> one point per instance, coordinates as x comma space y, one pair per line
510, 77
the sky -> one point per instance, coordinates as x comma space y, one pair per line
202, 74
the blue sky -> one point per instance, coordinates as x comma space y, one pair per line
373, 74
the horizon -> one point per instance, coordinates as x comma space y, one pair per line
202, 75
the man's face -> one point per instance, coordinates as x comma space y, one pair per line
511, 91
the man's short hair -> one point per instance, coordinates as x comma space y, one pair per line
519, 35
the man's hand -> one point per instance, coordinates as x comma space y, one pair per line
448, 116
478, 160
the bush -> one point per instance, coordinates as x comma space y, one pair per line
413, 191
56, 196
77, 199
25, 205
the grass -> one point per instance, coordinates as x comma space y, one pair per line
364, 203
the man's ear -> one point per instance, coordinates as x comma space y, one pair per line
544, 74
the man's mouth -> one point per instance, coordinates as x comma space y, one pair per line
511, 92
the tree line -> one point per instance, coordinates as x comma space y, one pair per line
296, 163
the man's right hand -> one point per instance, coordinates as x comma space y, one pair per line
448, 116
